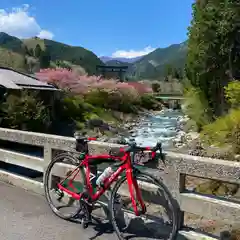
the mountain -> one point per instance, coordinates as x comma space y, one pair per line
124, 60
11, 43
152, 65
59, 52
21, 55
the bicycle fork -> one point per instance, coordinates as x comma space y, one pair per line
133, 185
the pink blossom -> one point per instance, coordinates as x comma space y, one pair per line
81, 84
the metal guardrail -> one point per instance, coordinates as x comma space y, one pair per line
174, 174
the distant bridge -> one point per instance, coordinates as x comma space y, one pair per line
170, 100
169, 96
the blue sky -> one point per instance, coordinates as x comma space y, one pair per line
120, 28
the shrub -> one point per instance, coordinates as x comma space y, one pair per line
196, 107
97, 98
72, 108
26, 112
232, 93
111, 99
148, 101
225, 130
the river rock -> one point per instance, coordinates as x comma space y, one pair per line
180, 138
97, 123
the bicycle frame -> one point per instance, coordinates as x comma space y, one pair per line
125, 166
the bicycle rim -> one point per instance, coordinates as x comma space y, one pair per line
60, 202
157, 199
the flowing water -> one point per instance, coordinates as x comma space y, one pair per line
160, 126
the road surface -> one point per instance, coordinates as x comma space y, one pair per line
26, 216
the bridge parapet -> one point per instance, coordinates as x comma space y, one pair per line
178, 166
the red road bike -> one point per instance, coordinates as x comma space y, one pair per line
79, 185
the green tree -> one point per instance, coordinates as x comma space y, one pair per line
38, 51
30, 52
168, 70
177, 73
211, 37
45, 59
232, 92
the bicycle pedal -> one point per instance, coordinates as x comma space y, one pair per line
85, 223
141, 212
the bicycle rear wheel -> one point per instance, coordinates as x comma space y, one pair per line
158, 201
61, 203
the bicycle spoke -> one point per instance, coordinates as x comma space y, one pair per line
159, 222
63, 170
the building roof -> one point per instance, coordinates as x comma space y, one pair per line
12, 79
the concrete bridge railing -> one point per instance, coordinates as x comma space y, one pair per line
178, 166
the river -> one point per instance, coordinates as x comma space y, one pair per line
160, 126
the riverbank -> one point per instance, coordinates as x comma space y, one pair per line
189, 141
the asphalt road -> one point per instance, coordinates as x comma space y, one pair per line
26, 216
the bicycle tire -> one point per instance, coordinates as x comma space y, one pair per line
58, 159
160, 184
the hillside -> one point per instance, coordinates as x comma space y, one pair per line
76, 56
11, 43
20, 54
152, 65
63, 52
12, 59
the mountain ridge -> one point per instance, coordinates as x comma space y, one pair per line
151, 66
121, 59
58, 52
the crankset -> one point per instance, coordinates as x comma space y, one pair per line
85, 213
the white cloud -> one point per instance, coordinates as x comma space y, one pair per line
132, 53
45, 34
18, 22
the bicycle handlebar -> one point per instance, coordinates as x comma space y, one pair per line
132, 145
134, 148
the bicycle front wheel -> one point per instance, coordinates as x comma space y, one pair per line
59, 171
160, 219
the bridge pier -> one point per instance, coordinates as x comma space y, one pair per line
173, 104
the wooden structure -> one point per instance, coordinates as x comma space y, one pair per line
112, 71
14, 80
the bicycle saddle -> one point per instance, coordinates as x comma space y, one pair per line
81, 143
